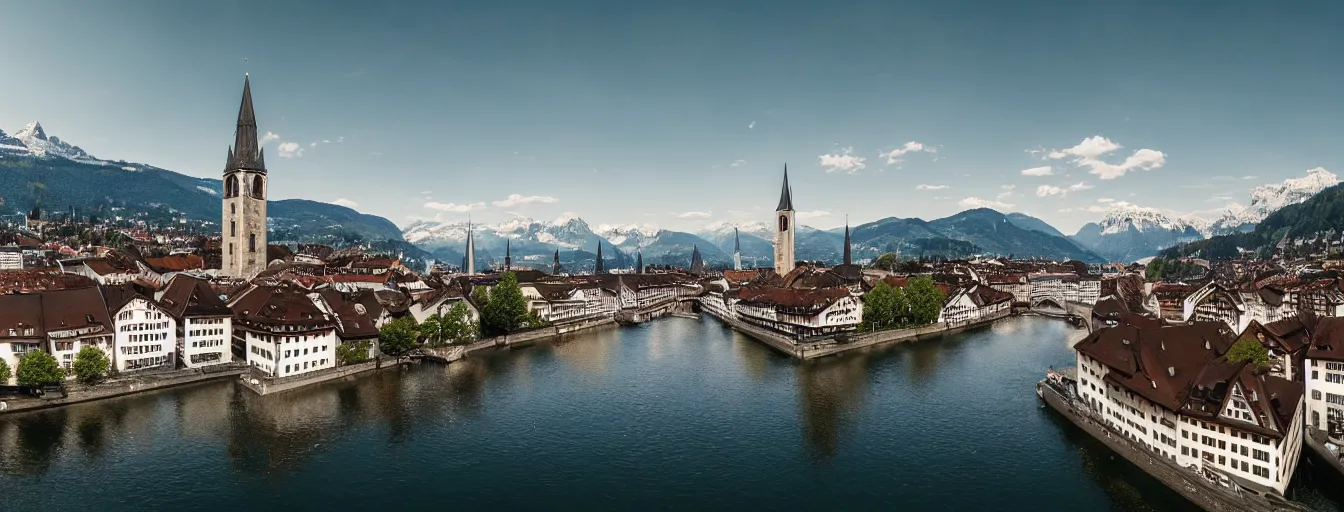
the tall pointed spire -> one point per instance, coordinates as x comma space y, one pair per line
246, 149
848, 260
555, 267
697, 262
508, 258
597, 268
737, 251
785, 193
639, 262
470, 266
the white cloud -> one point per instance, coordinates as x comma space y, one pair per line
931, 187
1039, 171
692, 215
975, 202
738, 163
290, 150
812, 214
1007, 191
1088, 154
843, 161
1065, 210
454, 207
896, 155
270, 136
519, 199
751, 125
345, 202
1105, 200
1051, 190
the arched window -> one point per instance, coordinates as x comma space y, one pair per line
257, 188
231, 186
252, 242
233, 208
783, 223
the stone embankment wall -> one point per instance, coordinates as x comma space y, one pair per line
1183, 481
264, 385
849, 341
456, 352
125, 384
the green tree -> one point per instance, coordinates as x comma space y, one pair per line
879, 306
926, 301
37, 368
506, 310
353, 352
454, 326
398, 336
4, 372
91, 365
887, 261
1248, 349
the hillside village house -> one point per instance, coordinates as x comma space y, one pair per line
1323, 369
204, 322
1015, 284
74, 319
1170, 391
974, 304
20, 328
146, 333
278, 330
797, 313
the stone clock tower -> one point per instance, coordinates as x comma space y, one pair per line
243, 248
784, 229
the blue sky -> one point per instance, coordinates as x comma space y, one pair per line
629, 112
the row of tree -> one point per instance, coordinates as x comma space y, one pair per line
888, 307
503, 311
38, 368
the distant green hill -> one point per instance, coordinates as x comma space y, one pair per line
92, 187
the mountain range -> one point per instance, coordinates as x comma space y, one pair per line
1129, 232
1320, 214
41, 170
980, 231
38, 170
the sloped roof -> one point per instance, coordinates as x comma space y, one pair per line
188, 296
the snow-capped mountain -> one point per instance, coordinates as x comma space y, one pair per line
636, 235
1267, 199
33, 140
756, 228
1127, 231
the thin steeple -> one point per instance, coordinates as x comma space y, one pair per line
555, 267
785, 194
508, 258
470, 256
737, 251
597, 268
847, 258
639, 262
246, 149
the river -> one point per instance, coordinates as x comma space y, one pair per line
675, 413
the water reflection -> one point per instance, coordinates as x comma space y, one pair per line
590, 354
831, 391
31, 443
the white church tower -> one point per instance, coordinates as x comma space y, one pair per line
244, 225
784, 228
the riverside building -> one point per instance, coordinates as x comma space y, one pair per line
1171, 391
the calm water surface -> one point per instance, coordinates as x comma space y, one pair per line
672, 414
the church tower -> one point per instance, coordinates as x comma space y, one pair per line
245, 184
784, 228
737, 251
